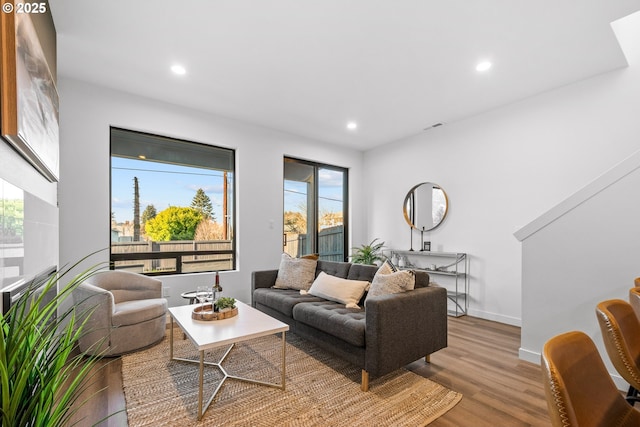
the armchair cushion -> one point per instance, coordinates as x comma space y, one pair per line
138, 311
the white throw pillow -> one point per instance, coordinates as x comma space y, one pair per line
345, 291
296, 273
385, 282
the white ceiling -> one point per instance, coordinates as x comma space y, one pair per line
309, 66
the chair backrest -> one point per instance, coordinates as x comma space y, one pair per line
579, 390
636, 281
621, 334
126, 285
634, 300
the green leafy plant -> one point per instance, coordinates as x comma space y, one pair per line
41, 376
225, 302
368, 254
173, 223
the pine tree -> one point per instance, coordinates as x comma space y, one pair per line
148, 213
202, 203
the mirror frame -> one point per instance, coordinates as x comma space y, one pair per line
406, 200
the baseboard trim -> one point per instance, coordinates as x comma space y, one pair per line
513, 321
529, 356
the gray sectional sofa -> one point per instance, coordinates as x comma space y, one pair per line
387, 333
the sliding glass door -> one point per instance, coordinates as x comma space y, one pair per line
315, 209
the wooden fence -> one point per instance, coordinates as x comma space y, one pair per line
330, 244
185, 256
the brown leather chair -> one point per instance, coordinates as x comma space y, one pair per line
579, 390
634, 300
637, 281
621, 334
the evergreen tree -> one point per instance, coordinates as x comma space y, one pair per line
148, 213
136, 210
202, 203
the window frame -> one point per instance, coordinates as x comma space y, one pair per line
176, 255
315, 215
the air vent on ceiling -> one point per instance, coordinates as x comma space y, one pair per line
435, 125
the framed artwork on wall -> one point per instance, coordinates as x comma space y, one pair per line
28, 95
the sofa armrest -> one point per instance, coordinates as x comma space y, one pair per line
401, 328
262, 279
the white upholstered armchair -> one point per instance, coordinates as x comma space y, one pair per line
126, 312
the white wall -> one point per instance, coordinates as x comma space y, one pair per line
580, 253
501, 170
87, 111
586, 249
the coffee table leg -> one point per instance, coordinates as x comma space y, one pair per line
200, 385
171, 339
284, 358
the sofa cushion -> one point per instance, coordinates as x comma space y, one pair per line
340, 290
348, 324
282, 300
333, 268
362, 272
296, 273
138, 311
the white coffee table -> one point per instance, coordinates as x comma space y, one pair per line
248, 324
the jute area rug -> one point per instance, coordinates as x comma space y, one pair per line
321, 389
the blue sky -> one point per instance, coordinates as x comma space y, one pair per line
161, 185
330, 192
164, 185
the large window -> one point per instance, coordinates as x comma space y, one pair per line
315, 209
172, 205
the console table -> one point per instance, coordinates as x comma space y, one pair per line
453, 266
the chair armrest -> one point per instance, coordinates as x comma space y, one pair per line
95, 302
401, 328
127, 286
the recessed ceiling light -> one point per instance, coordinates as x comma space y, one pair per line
178, 69
142, 157
352, 126
483, 66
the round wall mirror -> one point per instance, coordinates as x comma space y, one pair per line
425, 206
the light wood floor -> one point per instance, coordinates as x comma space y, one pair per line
481, 362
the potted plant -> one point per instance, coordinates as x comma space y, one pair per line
368, 254
224, 304
41, 376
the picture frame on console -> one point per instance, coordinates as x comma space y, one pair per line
29, 100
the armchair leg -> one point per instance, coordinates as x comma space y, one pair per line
427, 358
365, 381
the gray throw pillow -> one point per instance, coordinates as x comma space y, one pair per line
394, 282
296, 273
